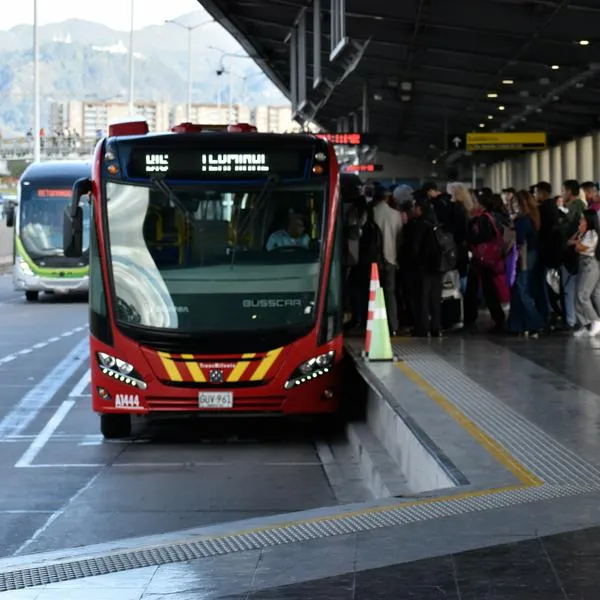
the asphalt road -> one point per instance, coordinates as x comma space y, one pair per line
63, 486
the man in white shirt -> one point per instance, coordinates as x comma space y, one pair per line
389, 222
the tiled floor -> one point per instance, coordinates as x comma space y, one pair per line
557, 567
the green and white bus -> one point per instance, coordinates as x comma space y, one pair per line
40, 265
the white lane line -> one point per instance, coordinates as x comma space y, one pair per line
45, 434
68, 466
25, 512
39, 345
25, 412
77, 391
56, 515
165, 465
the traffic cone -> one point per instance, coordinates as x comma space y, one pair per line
380, 344
373, 287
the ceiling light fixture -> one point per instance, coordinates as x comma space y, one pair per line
492, 95
501, 108
490, 117
508, 81
555, 67
584, 42
481, 124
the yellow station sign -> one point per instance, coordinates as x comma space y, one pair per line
537, 140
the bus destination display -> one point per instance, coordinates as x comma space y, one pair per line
193, 164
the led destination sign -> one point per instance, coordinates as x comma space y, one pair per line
235, 163
197, 164
214, 163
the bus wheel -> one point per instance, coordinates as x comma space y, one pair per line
115, 426
31, 296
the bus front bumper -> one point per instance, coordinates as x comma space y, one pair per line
27, 282
319, 396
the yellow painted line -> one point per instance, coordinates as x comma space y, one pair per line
508, 461
240, 368
170, 367
265, 365
193, 368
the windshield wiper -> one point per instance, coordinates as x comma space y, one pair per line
261, 199
159, 182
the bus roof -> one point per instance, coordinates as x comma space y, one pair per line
250, 138
58, 171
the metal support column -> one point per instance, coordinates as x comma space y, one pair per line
365, 108
316, 43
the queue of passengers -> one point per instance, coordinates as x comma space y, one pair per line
531, 257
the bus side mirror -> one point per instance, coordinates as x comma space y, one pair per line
73, 220
9, 214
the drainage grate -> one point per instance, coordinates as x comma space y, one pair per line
343, 524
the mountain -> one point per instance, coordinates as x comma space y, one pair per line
82, 60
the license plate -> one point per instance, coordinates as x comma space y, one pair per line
215, 400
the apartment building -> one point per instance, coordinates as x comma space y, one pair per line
214, 114
273, 119
88, 117
276, 119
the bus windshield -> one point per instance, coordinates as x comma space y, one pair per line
41, 220
206, 258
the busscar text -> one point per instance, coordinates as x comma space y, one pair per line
272, 303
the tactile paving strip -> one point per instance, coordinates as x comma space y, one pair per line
300, 531
531, 446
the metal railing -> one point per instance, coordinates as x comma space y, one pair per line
51, 147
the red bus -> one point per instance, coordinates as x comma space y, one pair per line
215, 273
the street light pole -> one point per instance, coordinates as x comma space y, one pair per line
37, 125
131, 63
230, 117
190, 76
188, 110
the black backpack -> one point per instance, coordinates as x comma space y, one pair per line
446, 247
370, 248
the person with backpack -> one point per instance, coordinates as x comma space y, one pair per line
488, 270
366, 247
389, 223
424, 255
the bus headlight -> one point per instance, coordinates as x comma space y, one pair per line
23, 266
311, 369
119, 370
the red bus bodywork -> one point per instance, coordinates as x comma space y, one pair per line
172, 381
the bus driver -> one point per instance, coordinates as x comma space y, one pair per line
294, 235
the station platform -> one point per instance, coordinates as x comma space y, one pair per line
498, 443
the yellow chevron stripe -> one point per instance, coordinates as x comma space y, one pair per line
193, 368
265, 365
240, 368
170, 366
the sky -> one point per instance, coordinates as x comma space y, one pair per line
112, 13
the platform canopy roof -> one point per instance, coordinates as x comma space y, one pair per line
429, 69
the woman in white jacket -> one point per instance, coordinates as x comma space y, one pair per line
587, 295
